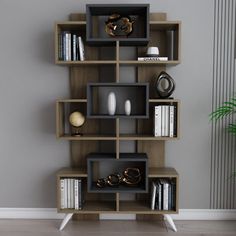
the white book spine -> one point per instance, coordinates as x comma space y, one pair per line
72, 199
76, 195
152, 58
167, 121
165, 195
68, 194
67, 46
62, 193
81, 49
153, 196
157, 121
74, 47
163, 121
159, 196
171, 121
65, 193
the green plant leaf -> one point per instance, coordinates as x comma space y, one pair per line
232, 128
230, 103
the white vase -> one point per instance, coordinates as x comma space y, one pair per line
127, 107
111, 103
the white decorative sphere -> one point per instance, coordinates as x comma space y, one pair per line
76, 119
127, 107
111, 103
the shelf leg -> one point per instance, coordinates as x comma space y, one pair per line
65, 221
170, 221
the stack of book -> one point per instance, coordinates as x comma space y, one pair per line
152, 58
165, 121
71, 193
163, 194
70, 47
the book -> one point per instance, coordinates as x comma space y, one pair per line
76, 194
64, 43
67, 46
153, 195
60, 46
152, 58
170, 196
72, 199
165, 194
173, 199
157, 121
65, 193
68, 193
166, 121
160, 190
171, 121
62, 193
80, 194
74, 47
81, 48
163, 119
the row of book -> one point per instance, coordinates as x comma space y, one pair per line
163, 194
70, 47
165, 121
71, 193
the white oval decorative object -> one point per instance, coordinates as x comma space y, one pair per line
127, 107
111, 103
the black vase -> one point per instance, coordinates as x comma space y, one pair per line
164, 85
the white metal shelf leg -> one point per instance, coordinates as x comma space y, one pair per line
65, 220
170, 221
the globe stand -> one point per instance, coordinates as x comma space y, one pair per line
75, 132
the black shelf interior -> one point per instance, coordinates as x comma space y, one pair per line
97, 15
137, 93
100, 165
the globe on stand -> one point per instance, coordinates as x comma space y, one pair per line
76, 119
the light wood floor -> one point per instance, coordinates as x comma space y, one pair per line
115, 228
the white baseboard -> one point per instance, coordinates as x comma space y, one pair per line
51, 213
205, 214
30, 213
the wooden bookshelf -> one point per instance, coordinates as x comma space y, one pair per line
106, 131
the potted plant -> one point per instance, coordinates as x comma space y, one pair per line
227, 109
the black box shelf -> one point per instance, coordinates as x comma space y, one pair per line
100, 165
137, 93
97, 15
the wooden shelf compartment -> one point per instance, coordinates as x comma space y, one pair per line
92, 129
145, 127
137, 93
143, 201
92, 203
166, 36
128, 56
102, 165
141, 207
93, 207
98, 14
93, 55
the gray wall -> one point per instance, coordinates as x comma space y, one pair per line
30, 84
